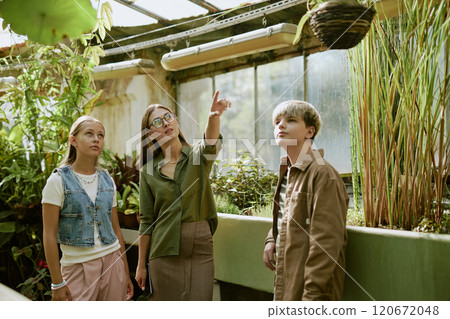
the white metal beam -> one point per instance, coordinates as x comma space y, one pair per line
247, 16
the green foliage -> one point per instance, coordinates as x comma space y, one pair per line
427, 225
54, 86
128, 201
263, 211
37, 286
124, 170
355, 217
20, 182
46, 96
48, 21
223, 205
399, 93
133, 200
244, 182
125, 173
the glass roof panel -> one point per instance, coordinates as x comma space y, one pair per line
124, 16
229, 4
172, 9
168, 9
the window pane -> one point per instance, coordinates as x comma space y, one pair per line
194, 102
327, 83
235, 123
277, 82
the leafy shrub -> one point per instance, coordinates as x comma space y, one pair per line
125, 173
244, 182
124, 170
54, 86
223, 205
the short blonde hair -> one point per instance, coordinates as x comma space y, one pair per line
298, 109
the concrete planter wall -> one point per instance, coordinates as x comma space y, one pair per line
397, 265
382, 264
238, 251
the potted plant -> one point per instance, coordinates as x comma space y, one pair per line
399, 105
338, 24
128, 206
125, 173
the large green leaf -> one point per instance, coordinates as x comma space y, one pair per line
7, 227
6, 213
16, 134
87, 108
5, 237
48, 21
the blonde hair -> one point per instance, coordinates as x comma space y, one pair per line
149, 144
299, 109
71, 154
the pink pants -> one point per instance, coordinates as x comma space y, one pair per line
102, 279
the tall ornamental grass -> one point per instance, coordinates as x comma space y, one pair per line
399, 99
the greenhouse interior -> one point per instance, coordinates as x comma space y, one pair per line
379, 80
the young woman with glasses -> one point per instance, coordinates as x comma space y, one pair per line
177, 210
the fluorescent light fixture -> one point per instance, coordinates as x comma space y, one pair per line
123, 69
269, 38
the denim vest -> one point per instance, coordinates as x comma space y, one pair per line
79, 214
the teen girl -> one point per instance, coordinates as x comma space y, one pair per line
177, 209
79, 214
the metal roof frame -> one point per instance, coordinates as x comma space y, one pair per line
164, 21
217, 25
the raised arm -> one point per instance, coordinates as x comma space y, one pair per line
212, 130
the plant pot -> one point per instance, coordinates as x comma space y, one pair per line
341, 24
128, 220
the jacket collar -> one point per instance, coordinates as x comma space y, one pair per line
303, 160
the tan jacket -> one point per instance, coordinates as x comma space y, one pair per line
313, 237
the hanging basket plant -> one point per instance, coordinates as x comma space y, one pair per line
341, 24
338, 24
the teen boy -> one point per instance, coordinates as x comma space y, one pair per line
308, 234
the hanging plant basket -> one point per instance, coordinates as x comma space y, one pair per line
341, 24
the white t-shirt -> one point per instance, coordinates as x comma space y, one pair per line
53, 193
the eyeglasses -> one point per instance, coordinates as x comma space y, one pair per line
159, 121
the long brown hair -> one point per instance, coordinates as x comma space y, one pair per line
71, 154
150, 147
